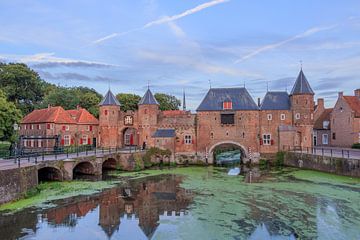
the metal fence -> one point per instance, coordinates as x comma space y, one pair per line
8, 158
326, 151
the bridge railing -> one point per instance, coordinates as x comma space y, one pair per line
346, 153
24, 156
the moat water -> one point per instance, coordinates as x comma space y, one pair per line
200, 203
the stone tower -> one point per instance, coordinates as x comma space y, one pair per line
109, 113
148, 117
302, 107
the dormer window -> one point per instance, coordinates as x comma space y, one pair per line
227, 105
325, 124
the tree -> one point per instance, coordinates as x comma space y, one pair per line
167, 102
21, 85
70, 98
128, 101
9, 115
90, 101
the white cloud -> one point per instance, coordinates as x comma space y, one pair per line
268, 47
50, 60
163, 20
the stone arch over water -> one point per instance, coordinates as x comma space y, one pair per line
237, 145
49, 174
83, 168
109, 163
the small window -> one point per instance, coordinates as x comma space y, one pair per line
243, 135
227, 105
326, 124
212, 135
325, 139
187, 139
267, 139
227, 119
67, 140
334, 136
84, 140
269, 117
282, 116
106, 112
128, 120
297, 116
39, 127
32, 126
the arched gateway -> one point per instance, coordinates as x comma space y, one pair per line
243, 149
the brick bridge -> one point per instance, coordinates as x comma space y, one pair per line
15, 181
67, 169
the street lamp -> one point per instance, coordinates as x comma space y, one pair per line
15, 149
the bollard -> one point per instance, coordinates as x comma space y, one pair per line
19, 162
35, 159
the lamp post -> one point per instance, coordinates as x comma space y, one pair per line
16, 128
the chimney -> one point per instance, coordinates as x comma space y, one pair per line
77, 107
259, 103
320, 103
357, 92
49, 106
341, 94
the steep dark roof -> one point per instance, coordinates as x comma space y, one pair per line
240, 98
276, 101
148, 98
109, 99
301, 85
164, 133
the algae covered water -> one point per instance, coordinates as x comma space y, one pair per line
200, 203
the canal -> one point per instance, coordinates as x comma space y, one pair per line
199, 203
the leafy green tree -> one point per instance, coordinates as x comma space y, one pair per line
9, 115
21, 85
61, 96
167, 102
128, 101
90, 101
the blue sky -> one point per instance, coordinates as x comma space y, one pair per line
181, 44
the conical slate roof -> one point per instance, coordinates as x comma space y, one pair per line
109, 99
301, 85
148, 98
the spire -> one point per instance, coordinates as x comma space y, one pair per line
109, 99
184, 101
301, 85
148, 98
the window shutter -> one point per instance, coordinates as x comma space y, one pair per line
183, 141
81, 141
89, 141
261, 141
48, 126
272, 141
193, 141
64, 128
62, 142
72, 141
90, 128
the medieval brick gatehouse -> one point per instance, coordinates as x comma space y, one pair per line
226, 116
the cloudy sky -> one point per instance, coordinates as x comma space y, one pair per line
182, 44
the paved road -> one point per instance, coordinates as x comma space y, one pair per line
334, 152
29, 161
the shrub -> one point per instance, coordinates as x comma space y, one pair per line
280, 159
356, 146
154, 151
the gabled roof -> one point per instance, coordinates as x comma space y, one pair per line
301, 85
109, 99
276, 101
240, 98
148, 99
354, 103
164, 133
325, 116
82, 116
49, 115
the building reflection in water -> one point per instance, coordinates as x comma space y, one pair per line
137, 206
